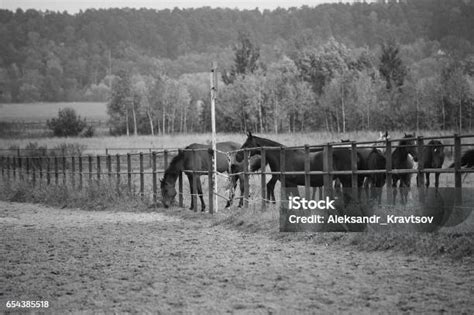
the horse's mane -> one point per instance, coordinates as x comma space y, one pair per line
269, 142
173, 168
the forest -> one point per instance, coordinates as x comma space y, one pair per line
335, 67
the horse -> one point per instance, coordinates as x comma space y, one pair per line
467, 160
294, 161
433, 157
401, 160
184, 161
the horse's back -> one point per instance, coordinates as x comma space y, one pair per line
227, 146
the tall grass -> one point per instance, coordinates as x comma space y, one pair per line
98, 144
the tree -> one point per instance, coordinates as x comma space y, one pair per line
68, 123
245, 60
120, 102
391, 66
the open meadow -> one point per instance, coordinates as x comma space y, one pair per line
174, 141
31, 112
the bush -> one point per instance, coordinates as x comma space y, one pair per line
67, 124
88, 132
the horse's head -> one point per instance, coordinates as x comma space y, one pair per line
251, 142
383, 136
437, 153
409, 145
168, 191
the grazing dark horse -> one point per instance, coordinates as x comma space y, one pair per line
467, 160
184, 162
433, 157
294, 161
401, 160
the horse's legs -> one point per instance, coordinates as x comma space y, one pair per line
242, 188
428, 179
271, 188
405, 184
437, 180
233, 179
190, 179
199, 192
233, 183
394, 190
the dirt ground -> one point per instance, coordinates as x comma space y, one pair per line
143, 262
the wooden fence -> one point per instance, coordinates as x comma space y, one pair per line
122, 170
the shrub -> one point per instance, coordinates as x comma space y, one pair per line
88, 132
67, 124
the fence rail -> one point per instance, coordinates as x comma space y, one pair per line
122, 170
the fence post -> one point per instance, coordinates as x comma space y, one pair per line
194, 194
33, 170
142, 177
246, 179
457, 161
153, 167
40, 169
165, 157
307, 169
263, 163
420, 178
56, 170
64, 170
388, 168
20, 170
80, 171
9, 165
180, 185
98, 169
73, 171
27, 162
109, 167
129, 173
354, 169
327, 167
457, 170
14, 167
117, 157
211, 179
283, 192
3, 166
90, 169
149, 158
48, 170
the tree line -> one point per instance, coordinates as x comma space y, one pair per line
337, 67
323, 86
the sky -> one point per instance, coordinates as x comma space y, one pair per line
73, 6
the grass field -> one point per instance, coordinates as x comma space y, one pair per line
98, 144
44, 111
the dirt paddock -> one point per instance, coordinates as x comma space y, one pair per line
142, 262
